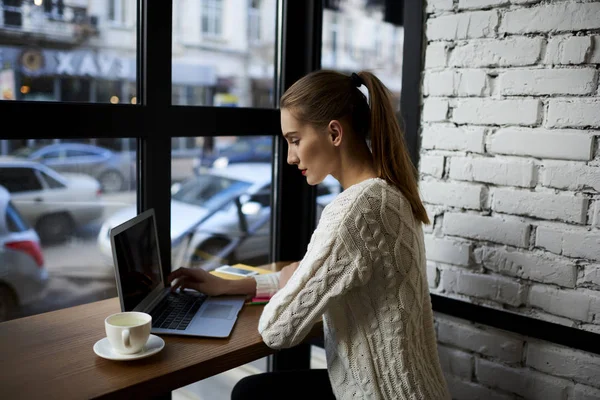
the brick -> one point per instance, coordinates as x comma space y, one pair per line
432, 165
439, 5
564, 16
454, 194
436, 55
517, 82
567, 50
470, 4
468, 25
464, 82
511, 52
433, 276
460, 389
455, 362
447, 251
542, 143
578, 304
570, 175
529, 384
591, 274
594, 56
435, 109
488, 342
582, 392
550, 206
496, 170
449, 137
432, 213
564, 362
576, 113
487, 287
492, 229
497, 112
531, 266
563, 240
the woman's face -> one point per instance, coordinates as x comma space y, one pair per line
315, 153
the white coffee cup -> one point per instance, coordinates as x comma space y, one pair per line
128, 331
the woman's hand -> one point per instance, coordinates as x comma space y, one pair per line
286, 273
209, 284
198, 279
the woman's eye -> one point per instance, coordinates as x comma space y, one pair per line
295, 142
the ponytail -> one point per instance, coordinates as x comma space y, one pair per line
390, 155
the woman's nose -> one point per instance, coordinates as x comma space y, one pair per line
291, 157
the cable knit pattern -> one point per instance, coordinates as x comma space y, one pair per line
364, 273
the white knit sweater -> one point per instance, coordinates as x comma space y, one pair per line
364, 273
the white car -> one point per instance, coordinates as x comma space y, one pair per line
206, 220
53, 203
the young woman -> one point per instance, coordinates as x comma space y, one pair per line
364, 268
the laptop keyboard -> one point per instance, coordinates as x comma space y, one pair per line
176, 310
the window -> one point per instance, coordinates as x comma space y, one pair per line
117, 11
211, 206
226, 60
366, 32
254, 21
212, 17
14, 220
12, 13
53, 183
80, 153
54, 8
68, 51
68, 213
17, 180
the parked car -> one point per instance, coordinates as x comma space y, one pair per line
23, 276
55, 204
203, 210
244, 150
115, 171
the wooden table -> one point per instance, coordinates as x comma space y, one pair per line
50, 356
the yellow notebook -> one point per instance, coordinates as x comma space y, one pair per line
241, 266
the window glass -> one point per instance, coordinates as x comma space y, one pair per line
53, 183
14, 220
224, 53
70, 51
20, 179
364, 35
57, 217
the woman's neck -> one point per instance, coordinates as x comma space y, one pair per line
355, 166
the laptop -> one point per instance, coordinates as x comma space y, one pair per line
140, 285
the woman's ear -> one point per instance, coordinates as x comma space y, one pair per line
335, 132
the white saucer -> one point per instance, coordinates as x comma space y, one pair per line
152, 346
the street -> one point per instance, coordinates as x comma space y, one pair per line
78, 274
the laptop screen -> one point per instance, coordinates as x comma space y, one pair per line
137, 257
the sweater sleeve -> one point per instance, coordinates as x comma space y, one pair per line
267, 284
330, 268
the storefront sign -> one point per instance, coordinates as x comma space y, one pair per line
78, 63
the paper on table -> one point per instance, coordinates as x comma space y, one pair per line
241, 266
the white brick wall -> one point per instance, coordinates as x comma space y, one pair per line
481, 362
510, 143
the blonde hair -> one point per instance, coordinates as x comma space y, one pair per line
325, 95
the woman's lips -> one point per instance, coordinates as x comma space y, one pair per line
303, 172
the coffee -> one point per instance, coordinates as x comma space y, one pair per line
127, 321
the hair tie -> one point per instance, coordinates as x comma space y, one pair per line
357, 80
